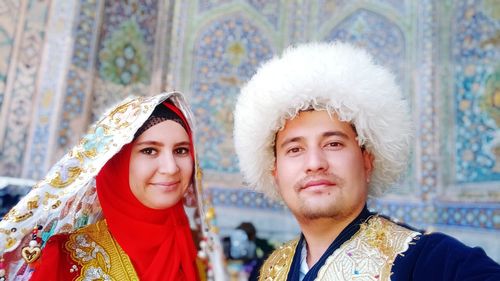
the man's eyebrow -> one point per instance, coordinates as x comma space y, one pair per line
335, 133
325, 134
290, 140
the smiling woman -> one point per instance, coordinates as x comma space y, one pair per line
161, 165
140, 163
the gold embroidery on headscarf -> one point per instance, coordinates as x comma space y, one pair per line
47, 197
115, 118
278, 264
23, 217
10, 242
33, 202
57, 204
73, 173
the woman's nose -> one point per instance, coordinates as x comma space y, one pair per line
167, 164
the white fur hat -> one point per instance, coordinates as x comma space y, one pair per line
336, 77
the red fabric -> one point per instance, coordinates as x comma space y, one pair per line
158, 242
55, 262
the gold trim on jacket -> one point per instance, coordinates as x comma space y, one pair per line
368, 255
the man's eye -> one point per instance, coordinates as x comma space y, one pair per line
334, 144
293, 150
148, 151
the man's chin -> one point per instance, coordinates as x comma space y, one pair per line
314, 211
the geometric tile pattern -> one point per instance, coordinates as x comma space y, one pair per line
215, 50
9, 13
125, 52
18, 99
476, 57
329, 8
382, 37
79, 77
425, 107
242, 198
480, 216
123, 55
417, 214
226, 53
268, 9
205, 5
51, 79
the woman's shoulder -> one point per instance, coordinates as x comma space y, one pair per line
60, 239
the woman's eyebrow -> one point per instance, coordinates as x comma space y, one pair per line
148, 142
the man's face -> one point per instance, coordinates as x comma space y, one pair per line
320, 171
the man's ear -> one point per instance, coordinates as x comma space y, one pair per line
368, 159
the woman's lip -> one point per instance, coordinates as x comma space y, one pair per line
166, 184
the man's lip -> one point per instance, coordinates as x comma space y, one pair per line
314, 183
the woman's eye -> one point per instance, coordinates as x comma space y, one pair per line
182, 150
148, 151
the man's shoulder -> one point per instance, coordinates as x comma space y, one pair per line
443, 257
277, 265
286, 248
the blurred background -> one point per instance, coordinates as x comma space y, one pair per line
62, 62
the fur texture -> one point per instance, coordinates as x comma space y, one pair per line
336, 77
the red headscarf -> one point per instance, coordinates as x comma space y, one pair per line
158, 242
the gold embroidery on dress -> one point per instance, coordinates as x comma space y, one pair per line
370, 253
278, 264
100, 257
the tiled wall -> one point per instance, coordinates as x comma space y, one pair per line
63, 61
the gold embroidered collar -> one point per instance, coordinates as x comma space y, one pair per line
369, 254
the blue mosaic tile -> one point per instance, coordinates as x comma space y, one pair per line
226, 54
416, 214
204, 5
74, 98
379, 35
242, 198
477, 78
125, 52
426, 99
329, 7
270, 9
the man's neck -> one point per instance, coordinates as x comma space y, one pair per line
320, 234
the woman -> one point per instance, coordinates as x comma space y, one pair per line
139, 161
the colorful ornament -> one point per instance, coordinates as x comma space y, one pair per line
32, 252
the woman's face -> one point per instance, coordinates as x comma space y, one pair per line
161, 165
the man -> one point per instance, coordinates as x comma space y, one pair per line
322, 127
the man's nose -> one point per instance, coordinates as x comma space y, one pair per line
316, 160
